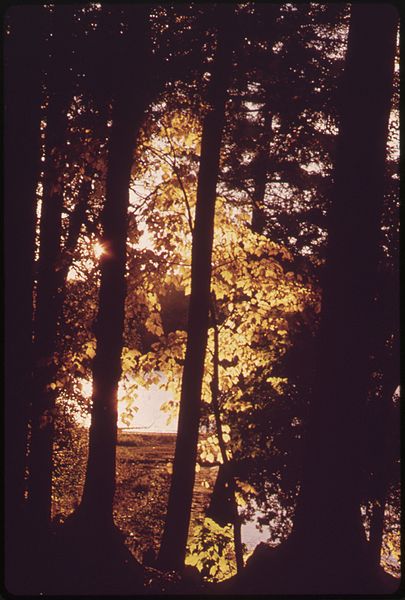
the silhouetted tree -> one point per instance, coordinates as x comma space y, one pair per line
328, 514
59, 93
132, 96
174, 540
225, 475
327, 549
382, 411
22, 94
282, 120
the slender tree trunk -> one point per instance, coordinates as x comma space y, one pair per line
46, 322
22, 64
130, 105
174, 540
377, 529
51, 290
381, 451
260, 172
229, 477
48, 279
262, 159
77, 218
99, 487
328, 514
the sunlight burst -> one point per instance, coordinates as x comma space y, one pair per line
99, 250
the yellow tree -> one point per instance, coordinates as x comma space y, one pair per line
254, 294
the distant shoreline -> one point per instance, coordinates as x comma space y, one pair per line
145, 431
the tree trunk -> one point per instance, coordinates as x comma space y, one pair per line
99, 488
226, 471
48, 279
328, 515
260, 171
128, 116
382, 454
51, 291
46, 322
327, 551
22, 62
174, 540
261, 161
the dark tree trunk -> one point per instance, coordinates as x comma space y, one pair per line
50, 298
225, 470
76, 219
174, 540
220, 508
377, 529
383, 455
131, 102
260, 173
48, 278
22, 64
261, 162
327, 551
99, 488
328, 514
46, 319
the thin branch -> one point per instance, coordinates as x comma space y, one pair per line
179, 179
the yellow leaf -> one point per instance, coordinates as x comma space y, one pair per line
223, 564
192, 560
239, 499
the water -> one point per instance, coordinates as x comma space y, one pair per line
251, 535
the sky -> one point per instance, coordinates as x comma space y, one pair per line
149, 416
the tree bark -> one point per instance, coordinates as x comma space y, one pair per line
228, 475
130, 104
382, 452
327, 551
22, 64
328, 515
260, 172
46, 322
50, 299
48, 279
260, 166
174, 540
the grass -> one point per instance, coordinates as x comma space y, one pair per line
144, 462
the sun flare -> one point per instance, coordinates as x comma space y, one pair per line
98, 250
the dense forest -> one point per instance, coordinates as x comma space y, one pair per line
201, 228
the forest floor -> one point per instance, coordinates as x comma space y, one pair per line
144, 462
